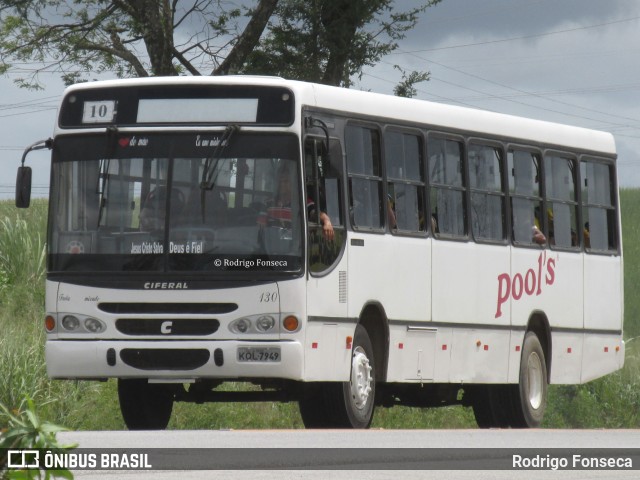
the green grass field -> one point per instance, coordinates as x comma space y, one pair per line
610, 402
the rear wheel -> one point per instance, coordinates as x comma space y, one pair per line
145, 406
529, 399
348, 404
517, 406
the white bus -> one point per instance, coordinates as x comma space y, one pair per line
338, 248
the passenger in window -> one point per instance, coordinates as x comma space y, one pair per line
325, 221
206, 207
552, 237
152, 212
536, 233
278, 210
434, 224
393, 223
587, 238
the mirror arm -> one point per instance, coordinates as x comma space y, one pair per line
39, 145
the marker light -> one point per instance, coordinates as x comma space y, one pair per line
50, 323
291, 323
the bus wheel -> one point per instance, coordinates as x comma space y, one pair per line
355, 401
347, 404
530, 397
491, 405
145, 406
313, 408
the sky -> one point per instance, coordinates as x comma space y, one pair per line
568, 61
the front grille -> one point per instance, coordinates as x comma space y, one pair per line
167, 327
170, 308
164, 359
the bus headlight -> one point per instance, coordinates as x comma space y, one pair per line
70, 323
260, 324
265, 323
241, 325
75, 323
93, 325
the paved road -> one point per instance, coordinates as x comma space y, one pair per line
349, 454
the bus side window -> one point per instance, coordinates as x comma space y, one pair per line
526, 196
365, 178
448, 208
598, 206
487, 197
562, 205
405, 209
323, 181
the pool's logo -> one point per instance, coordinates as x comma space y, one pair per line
529, 283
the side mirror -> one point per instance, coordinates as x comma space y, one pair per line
23, 187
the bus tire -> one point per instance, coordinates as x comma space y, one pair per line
344, 404
145, 406
492, 406
529, 397
313, 408
353, 402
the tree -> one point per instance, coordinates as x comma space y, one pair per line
327, 41
330, 41
406, 87
132, 38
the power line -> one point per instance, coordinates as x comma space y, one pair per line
523, 92
524, 37
538, 96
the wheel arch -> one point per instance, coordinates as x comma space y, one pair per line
374, 319
539, 324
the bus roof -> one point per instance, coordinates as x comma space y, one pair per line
405, 110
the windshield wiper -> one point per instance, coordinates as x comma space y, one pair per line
103, 178
211, 171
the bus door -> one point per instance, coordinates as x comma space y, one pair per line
328, 324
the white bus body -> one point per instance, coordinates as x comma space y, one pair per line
429, 285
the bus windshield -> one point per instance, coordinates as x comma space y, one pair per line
189, 202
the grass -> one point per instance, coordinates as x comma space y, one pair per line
610, 402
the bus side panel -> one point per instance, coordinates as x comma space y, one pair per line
602, 354
602, 292
326, 355
548, 282
566, 357
479, 356
391, 271
515, 354
465, 283
465, 286
395, 273
412, 353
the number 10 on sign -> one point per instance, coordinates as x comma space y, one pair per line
99, 112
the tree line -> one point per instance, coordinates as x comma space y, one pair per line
324, 41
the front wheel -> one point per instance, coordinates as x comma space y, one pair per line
145, 406
348, 404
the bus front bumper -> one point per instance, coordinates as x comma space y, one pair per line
170, 360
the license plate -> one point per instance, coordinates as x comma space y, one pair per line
259, 354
